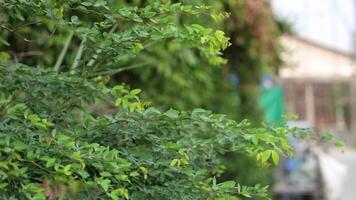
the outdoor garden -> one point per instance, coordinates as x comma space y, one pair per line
138, 99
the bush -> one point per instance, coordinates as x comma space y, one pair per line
51, 145
67, 132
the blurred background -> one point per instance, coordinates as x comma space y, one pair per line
318, 83
319, 70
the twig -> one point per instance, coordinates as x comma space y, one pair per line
78, 57
115, 71
63, 52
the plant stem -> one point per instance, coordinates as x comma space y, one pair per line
115, 71
63, 52
78, 57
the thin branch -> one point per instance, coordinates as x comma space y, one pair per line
115, 71
63, 52
78, 57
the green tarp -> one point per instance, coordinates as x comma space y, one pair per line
272, 102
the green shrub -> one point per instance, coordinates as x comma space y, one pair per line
51, 145
66, 132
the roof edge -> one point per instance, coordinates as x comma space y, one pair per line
321, 46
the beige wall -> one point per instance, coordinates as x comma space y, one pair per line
306, 60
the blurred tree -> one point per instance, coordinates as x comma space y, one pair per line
255, 49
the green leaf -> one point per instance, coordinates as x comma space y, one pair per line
125, 103
135, 91
66, 170
122, 177
39, 125
136, 18
83, 174
47, 122
18, 145
133, 107
134, 174
100, 3
76, 155
246, 194
3, 42
4, 57
105, 184
50, 162
118, 101
265, 155
275, 157
117, 90
105, 174
227, 184
173, 114
137, 48
87, 3
148, 14
3, 185
176, 6
123, 192
16, 111
33, 118
339, 143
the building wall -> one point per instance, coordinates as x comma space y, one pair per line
311, 80
307, 60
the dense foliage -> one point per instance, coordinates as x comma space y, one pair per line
68, 132
173, 70
144, 155
232, 88
51, 146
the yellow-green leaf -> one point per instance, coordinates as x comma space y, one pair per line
265, 155
174, 162
275, 157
